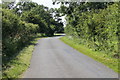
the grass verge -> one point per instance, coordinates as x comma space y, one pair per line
98, 56
21, 62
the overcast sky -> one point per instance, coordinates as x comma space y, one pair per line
47, 3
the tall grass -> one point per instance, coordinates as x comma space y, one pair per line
15, 67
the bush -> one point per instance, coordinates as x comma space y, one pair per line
97, 29
15, 33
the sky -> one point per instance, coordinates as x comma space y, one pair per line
47, 3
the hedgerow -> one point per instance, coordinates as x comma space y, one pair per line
15, 33
96, 28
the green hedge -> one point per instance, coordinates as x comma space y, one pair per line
15, 33
97, 29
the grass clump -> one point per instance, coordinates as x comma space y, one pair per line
16, 66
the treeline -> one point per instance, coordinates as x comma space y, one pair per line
22, 21
95, 25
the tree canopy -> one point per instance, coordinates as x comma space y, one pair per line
25, 19
94, 24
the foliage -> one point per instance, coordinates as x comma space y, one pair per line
43, 17
21, 62
96, 28
16, 33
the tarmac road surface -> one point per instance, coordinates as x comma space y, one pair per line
54, 59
